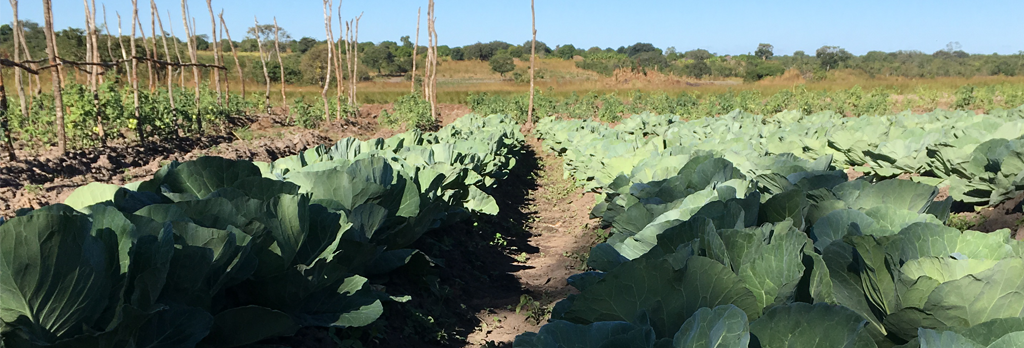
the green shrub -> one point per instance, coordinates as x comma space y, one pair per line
964, 98
307, 116
411, 110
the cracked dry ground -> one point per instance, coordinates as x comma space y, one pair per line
560, 233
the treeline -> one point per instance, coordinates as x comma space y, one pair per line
700, 63
951, 61
305, 58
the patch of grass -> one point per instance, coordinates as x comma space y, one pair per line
33, 189
965, 221
602, 235
243, 133
579, 260
534, 310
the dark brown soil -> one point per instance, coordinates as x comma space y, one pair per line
560, 235
39, 179
489, 267
38, 182
1004, 215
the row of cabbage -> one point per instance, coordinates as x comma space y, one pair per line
781, 252
223, 253
979, 156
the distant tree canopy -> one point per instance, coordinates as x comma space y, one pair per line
638, 48
565, 51
484, 51
542, 48
832, 56
458, 54
307, 61
502, 63
516, 51
697, 55
764, 51
266, 33
303, 45
202, 42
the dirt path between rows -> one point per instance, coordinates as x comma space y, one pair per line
560, 234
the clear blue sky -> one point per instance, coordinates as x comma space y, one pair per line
724, 27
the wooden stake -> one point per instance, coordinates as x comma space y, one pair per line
95, 41
93, 55
145, 49
337, 64
18, 82
170, 71
355, 67
431, 73
58, 99
227, 77
216, 54
194, 58
28, 55
110, 45
177, 52
263, 60
4, 123
140, 128
415, 47
153, 51
348, 58
120, 42
533, 59
328, 7
352, 50
233, 53
280, 63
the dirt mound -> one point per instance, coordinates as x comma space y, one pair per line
96, 161
36, 182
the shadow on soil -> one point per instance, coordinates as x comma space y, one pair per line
473, 272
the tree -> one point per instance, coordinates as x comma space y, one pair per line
542, 48
832, 56
379, 57
458, 53
764, 51
516, 51
672, 55
651, 59
697, 55
502, 64
698, 69
266, 32
638, 48
303, 45
314, 65
756, 71
202, 42
484, 51
565, 51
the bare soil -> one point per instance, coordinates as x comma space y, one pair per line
39, 179
36, 182
561, 234
1006, 215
